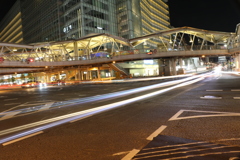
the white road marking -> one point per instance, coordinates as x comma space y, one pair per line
46, 106
131, 154
49, 123
120, 153
236, 97
236, 90
157, 132
234, 158
10, 99
210, 97
60, 89
19, 139
9, 115
214, 114
12, 108
216, 90
33, 104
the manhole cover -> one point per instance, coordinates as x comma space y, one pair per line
211, 97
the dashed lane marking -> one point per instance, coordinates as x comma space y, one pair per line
19, 139
131, 154
235, 90
208, 114
210, 97
236, 97
157, 132
215, 90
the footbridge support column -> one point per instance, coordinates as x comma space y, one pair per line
161, 67
169, 67
180, 70
174, 71
237, 62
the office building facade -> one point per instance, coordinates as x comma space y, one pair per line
57, 20
11, 25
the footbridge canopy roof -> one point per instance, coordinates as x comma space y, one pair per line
211, 36
90, 41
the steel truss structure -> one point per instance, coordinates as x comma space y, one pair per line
198, 39
100, 46
63, 50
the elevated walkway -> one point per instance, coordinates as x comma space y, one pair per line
105, 49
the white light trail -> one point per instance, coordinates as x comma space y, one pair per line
77, 115
97, 98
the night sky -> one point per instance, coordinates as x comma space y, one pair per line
217, 15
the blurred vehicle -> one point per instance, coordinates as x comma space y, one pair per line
33, 84
29, 85
59, 83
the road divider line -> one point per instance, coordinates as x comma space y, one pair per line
19, 139
236, 97
235, 90
157, 132
216, 90
131, 154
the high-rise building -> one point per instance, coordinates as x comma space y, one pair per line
41, 21
83, 17
56, 20
11, 25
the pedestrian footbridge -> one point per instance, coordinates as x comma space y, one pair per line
96, 49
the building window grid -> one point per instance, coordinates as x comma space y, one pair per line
14, 33
148, 8
155, 23
151, 7
145, 16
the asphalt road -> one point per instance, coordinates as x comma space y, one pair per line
197, 121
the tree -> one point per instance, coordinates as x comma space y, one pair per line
1, 81
13, 79
22, 77
30, 76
